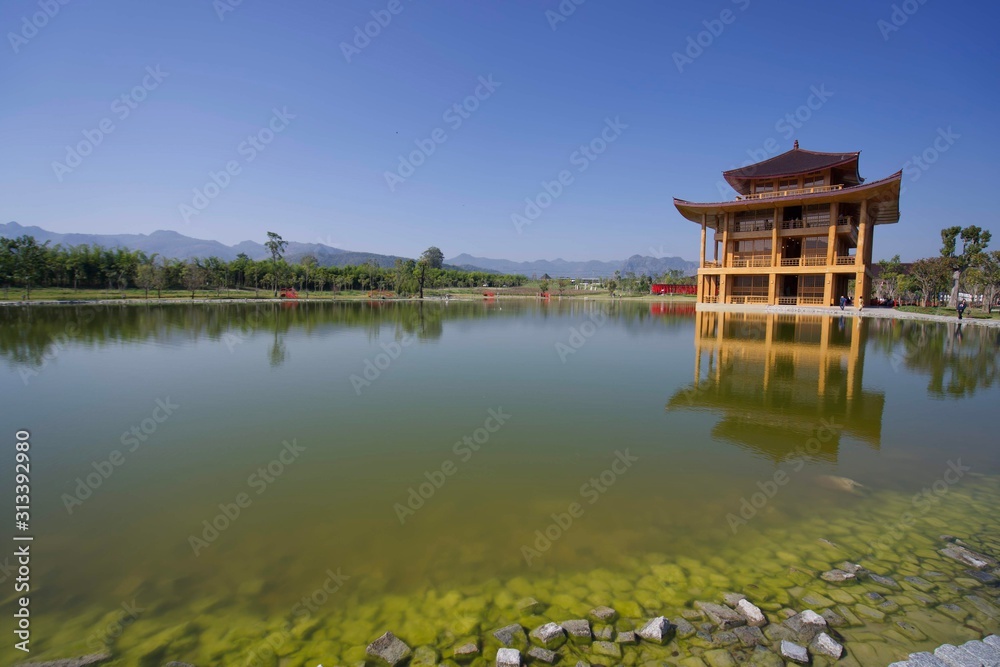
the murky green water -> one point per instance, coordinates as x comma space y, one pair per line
432, 464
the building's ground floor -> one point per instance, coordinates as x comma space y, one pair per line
815, 286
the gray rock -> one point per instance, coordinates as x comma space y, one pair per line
833, 619
718, 658
657, 630
607, 649
626, 637
920, 584
986, 653
508, 657
82, 661
732, 598
992, 640
724, 617
424, 656
985, 578
389, 650
853, 568
806, 625
838, 576
874, 597
604, 633
578, 630
683, 629
603, 614
924, 660
911, 631
466, 652
794, 652
512, 636
824, 644
529, 606
750, 636
542, 655
888, 582
954, 656
751, 613
725, 638
983, 606
968, 557
549, 636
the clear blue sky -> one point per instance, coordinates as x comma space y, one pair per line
322, 178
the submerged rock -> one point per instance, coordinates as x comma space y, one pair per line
466, 652
542, 655
985, 578
549, 636
845, 484
719, 658
603, 614
724, 617
824, 644
626, 637
82, 661
578, 630
968, 557
508, 657
529, 606
806, 625
389, 650
682, 628
888, 582
794, 652
750, 636
512, 636
732, 599
838, 576
657, 630
607, 649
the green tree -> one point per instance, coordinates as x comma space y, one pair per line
194, 276
308, 265
930, 275
890, 273
434, 257
562, 282
276, 246
145, 275
974, 241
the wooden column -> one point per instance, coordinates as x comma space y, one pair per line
831, 239
701, 257
725, 239
860, 261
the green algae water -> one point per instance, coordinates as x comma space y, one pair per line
279, 484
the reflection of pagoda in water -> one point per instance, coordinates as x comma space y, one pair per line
776, 378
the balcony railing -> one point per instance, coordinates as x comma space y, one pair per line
818, 260
749, 299
800, 301
845, 261
790, 193
745, 262
710, 264
710, 299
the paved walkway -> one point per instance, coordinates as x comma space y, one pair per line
884, 313
985, 653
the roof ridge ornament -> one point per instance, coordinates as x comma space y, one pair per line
796, 146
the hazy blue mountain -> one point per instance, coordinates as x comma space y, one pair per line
638, 264
178, 246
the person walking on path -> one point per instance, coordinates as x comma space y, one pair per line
961, 308
843, 301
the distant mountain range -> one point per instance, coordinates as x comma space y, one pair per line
177, 246
557, 268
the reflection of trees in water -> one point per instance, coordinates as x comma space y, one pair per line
31, 335
958, 360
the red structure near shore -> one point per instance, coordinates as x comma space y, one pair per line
664, 288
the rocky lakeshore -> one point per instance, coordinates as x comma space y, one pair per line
847, 614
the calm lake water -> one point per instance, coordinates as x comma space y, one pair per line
431, 464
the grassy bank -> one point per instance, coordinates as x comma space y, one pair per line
971, 313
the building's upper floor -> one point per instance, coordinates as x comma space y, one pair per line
794, 173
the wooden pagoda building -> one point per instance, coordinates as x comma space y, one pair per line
799, 231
